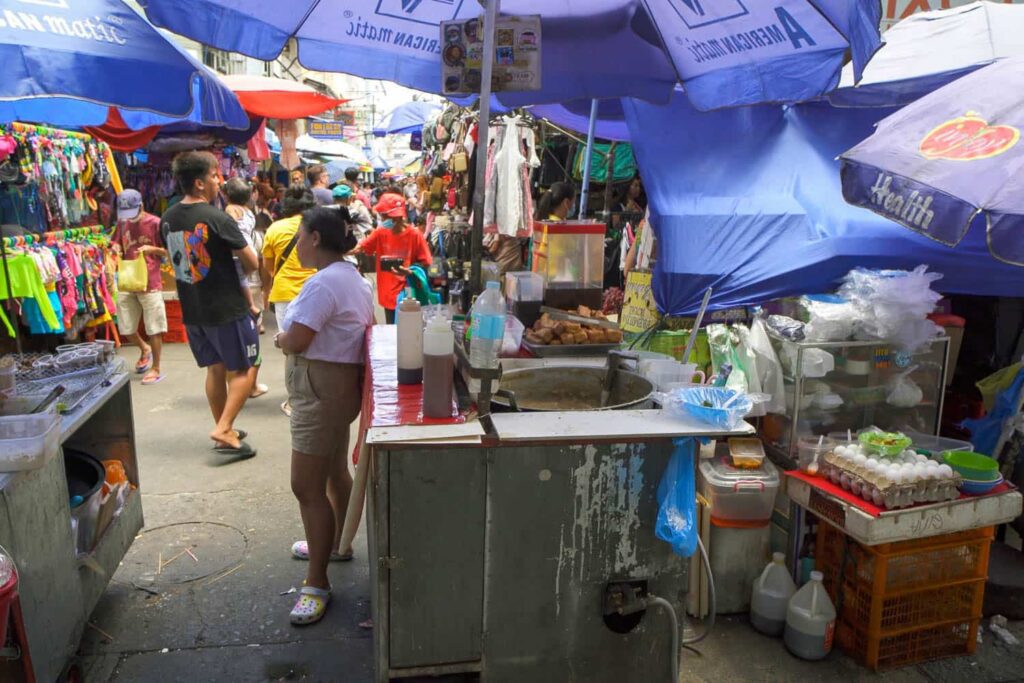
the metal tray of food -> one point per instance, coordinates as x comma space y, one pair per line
562, 350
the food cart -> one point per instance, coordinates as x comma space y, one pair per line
497, 541
63, 571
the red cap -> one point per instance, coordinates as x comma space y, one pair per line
391, 205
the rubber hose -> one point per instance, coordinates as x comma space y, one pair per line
711, 593
667, 606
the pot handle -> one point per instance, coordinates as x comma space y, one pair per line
511, 396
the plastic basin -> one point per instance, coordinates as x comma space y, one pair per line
973, 466
978, 488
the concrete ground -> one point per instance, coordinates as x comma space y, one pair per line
223, 616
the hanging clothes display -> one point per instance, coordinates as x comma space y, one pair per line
61, 282
52, 179
508, 208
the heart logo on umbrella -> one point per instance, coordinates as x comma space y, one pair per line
968, 138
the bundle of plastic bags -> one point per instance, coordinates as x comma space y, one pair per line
892, 305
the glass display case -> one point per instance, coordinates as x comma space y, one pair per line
850, 385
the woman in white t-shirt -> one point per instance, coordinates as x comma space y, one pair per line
323, 334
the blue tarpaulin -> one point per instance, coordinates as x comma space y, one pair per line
748, 201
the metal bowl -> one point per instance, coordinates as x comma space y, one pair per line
571, 388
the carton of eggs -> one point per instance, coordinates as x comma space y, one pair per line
892, 482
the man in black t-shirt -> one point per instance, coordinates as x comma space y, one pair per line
201, 242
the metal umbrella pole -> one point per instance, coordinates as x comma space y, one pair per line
591, 129
492, 8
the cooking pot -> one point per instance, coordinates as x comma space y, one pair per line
570, 388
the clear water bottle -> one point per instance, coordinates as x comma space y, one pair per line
488, 327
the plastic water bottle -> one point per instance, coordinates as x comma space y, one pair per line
810, 621
488, 327
770, 597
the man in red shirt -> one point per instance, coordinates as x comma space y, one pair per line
394, 239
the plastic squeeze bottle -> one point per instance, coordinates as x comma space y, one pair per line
770, 598
438, 368
488, 327
810, 621
410, 340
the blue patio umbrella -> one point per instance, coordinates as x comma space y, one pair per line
406, 118
725, 53
950, 161
67, 63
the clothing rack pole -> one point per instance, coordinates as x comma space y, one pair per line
493, 8
587, 160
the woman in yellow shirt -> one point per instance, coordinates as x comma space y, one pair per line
286, 274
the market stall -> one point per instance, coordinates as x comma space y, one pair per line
526, 527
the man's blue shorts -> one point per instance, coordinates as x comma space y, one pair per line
235, 344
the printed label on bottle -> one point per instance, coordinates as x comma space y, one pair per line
489, 326
830, 632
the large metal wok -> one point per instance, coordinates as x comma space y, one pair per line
571, 388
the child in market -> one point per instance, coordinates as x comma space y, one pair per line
239, 195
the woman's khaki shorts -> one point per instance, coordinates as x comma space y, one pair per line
325, 399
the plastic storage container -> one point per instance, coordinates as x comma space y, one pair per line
488, 328
747, 454
807, 448
524, 292
738, 495
26, 441
770, 597
934, 446
810, 621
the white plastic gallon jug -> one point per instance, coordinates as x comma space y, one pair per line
770, 597
810, 621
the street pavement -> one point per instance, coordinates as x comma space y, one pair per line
223, 615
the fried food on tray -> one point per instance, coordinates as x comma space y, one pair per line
552, 332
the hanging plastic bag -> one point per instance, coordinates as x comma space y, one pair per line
904, 392
830, 319
677, 500
769, 369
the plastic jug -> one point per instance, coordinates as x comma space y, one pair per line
410, 340
770, 597
488, 328
810, 621
438, 368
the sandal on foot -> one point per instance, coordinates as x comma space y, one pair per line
259, 390
286, 408
300, 551
220, 446
144, 363
152, 377
311, 606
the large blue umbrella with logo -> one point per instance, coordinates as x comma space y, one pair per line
950, 162
724, 52
67, 63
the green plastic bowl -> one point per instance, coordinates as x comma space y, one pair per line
973, 466
900, 444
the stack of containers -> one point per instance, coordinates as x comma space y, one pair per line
907, 602
524, 292
741, 501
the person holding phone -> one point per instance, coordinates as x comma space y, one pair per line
396, 246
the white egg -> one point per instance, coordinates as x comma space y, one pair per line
906, 467
871, 465
872, 460
932, 464
896, 476
860, 459
945, 471
841, 451
921, 458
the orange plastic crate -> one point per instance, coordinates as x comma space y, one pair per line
908, 602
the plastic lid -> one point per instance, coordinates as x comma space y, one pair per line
720, 471
817, 576
493, 284
780, 558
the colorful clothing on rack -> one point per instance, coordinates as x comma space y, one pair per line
508, 207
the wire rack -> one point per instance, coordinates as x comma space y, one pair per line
77, 385
28, 371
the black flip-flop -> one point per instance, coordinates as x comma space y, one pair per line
243, 452
241, 433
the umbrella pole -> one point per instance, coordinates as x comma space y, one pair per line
477, 249
591, 129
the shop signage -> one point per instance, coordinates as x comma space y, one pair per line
325, 130
639, 311
894, 11
516, 55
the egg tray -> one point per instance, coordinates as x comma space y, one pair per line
880, 490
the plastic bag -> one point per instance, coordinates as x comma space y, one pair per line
904, 392
892, 304
829, 320
677, 500
714, 406
724, 343
769, 369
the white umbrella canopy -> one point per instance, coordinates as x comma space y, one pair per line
331, 148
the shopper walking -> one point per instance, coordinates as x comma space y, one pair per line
394, 239
322, 334
318, 181
138, 234
201, 242
285, 272
344, 196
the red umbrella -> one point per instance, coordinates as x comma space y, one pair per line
279, 98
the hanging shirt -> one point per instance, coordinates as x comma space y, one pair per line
201, 240
410, 245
